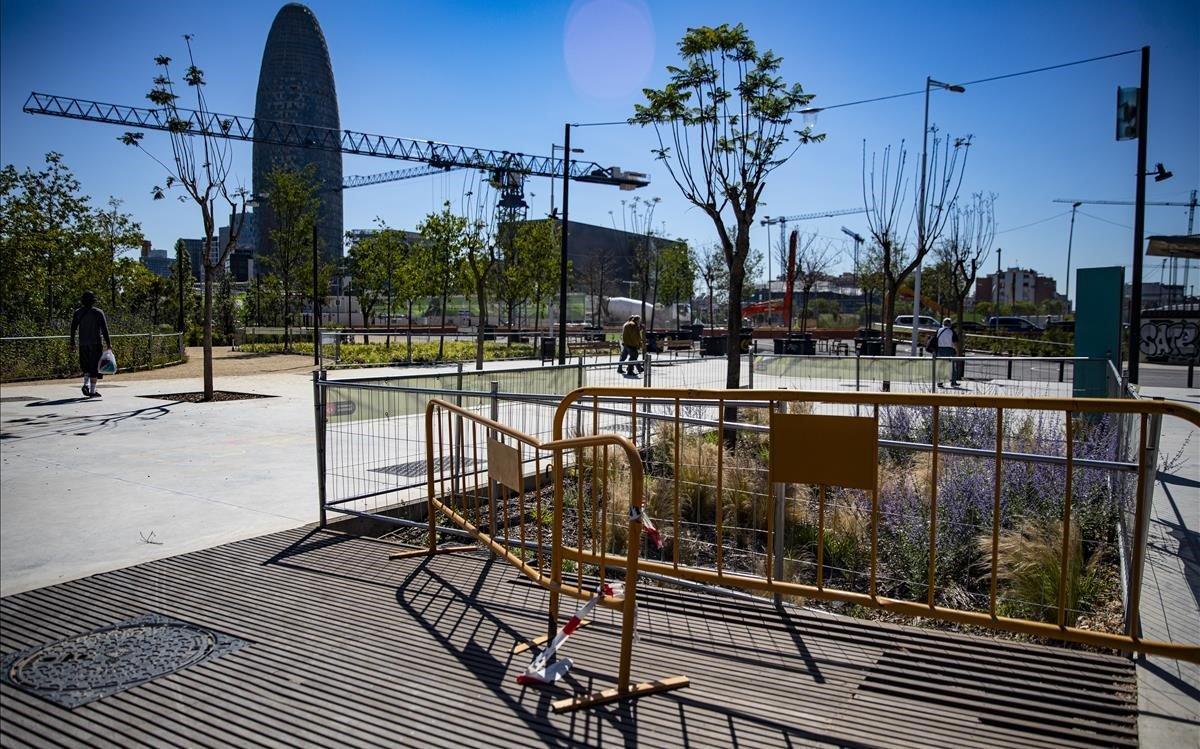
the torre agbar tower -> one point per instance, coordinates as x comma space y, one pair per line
295, 84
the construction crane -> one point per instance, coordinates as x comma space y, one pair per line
1190, 205
508, 169
362, 180
783, 221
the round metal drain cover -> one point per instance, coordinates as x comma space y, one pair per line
114, 658
108, 660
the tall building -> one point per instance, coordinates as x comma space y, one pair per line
295, 85
1017, 285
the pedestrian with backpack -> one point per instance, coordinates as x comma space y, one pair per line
92, 326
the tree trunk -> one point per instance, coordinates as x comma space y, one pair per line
733, 369
409, 337
287, 317
208, 365
442, 332
481, 298
887, 309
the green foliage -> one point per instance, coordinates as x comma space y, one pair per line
292, 195
727, 111
422, 352
54, 246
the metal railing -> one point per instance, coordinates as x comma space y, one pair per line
477, 479
830, 505
46, 357
370, 435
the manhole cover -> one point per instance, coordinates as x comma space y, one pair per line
87, 667
417, 468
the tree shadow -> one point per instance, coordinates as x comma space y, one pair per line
82, 425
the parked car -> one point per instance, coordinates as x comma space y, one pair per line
970, 326
1065, 326
1012, 325
926, 322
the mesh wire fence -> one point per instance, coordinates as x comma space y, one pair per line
46, 357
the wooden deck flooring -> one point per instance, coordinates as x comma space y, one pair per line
350, 649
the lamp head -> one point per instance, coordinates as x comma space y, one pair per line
1160, 173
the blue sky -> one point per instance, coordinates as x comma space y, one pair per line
508, 75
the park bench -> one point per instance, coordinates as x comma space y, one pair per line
590, 348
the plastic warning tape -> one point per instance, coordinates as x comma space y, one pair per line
639, 513
538, 671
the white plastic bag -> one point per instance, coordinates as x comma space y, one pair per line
108, 363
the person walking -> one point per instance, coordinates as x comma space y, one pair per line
947, 346
631, 346
91, 324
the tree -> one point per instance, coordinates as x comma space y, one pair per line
118, 231
486, 230
596, 276
712, 272
44, 220
678, 274
293, 198
811, 267
224, 304
869, 273
638, 221
201, 165
885, 199
725, 113
540, 243
964, 251
387, 267
182, 304
442, 238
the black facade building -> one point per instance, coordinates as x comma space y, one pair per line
295, 84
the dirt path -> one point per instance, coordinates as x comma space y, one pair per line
225, 363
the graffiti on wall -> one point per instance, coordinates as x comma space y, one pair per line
1172, 340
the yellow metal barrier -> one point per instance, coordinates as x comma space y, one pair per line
839, 450
476, 470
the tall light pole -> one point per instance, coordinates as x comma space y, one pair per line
1070, 239
562, 260
858, 240
553, 148
1139, 218
929, 84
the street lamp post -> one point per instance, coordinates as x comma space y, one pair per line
553, 148
1070, 240
316, 300
929, 84
858, 240
562, 260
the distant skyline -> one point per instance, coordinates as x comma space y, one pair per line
507, 76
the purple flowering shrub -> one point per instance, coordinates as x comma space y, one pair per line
1032, 494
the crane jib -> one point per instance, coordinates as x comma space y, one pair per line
251, 129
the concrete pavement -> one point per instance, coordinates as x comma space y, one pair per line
90, 485
1169, 690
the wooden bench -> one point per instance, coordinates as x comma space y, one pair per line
591, 348
675, 345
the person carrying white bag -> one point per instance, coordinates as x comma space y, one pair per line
95, 356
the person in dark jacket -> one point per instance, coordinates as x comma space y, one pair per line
631, 345
91, 324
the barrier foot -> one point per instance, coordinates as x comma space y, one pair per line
537, 642
427, 552
615, 694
